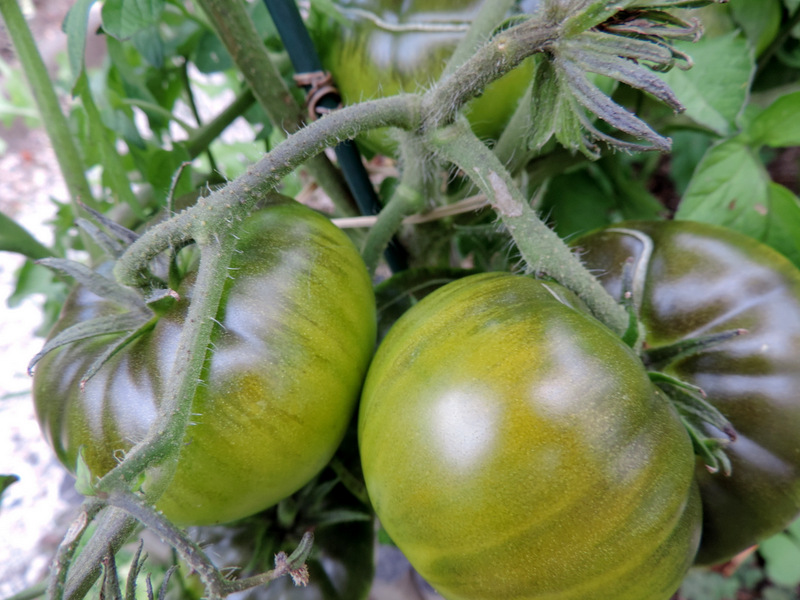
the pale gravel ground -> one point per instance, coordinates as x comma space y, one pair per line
33, 512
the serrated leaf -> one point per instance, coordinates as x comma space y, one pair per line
716, 89
15, 238
83, 330
76, 25
123, 18
731, 188
778, 125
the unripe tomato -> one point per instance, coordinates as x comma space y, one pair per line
384, 47
514, 448
296, 329
692, 280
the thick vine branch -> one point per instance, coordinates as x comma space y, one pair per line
237, 31
542, 249
240, 196
496, 58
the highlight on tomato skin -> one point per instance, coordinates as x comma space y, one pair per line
296, 330
695, 280
513, 447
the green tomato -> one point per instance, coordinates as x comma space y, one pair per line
296, 329
692, 280
513, 447
380, 48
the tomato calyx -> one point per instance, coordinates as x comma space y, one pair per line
142, 308
710, 431
659, 357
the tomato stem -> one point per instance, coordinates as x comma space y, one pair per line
541, 248
237, 199
406, 200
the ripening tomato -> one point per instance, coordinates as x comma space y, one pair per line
514, 448
694, 280
296, 329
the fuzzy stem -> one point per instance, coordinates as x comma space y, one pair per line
192, 554
66, 550
161, 446
239, 197
539, 245
406, 200
488, 17
504, 52
238, 33
114, 528
69, 159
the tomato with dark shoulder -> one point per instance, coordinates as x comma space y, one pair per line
694, 280
295, 333
379, 48
514, 448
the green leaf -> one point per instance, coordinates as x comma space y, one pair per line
150, 45
162, 167
123, 18
759, 19
779, 125
15, 238
6, 481
782, 557
716, 89
731, 188
76, 25
211, 56
84, 480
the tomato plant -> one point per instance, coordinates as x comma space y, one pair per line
693, 280
295, 332
380, 48
513, 447
588, 479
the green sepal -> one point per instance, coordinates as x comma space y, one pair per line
161, 300
95, 282
98, 326
109, 245
84, 480
122, 234
698, 416
661, 356
632, 335
114, 348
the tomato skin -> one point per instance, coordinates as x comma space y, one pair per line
514, 448
696, 279
282, 379
369, 61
